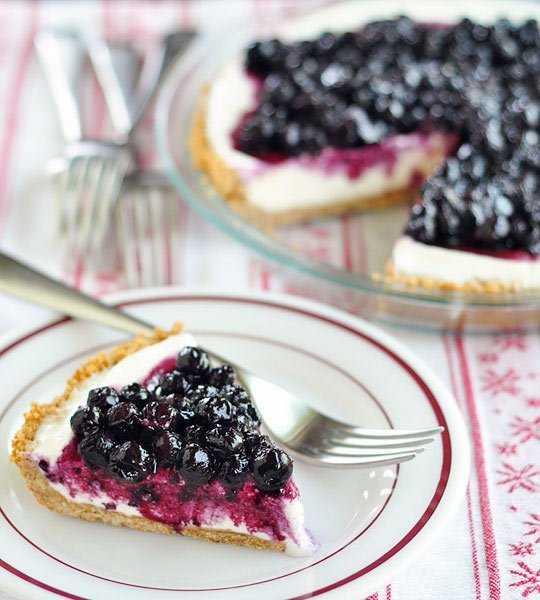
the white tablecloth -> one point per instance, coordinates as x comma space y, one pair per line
492, 547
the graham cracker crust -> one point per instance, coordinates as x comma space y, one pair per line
391, 276
228, 183
46, 495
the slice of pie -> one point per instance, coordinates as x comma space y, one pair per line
353, 118
150, 436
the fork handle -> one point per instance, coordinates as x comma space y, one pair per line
24, 282
117, 66
62, 56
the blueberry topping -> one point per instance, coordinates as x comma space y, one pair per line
161, 415
137, 394
398, 76
95, 450
197, 465
271, 469
224, 440
221, 376
123, 421
167, 448
174, 383
205, 429
193, 361
234, 471
103, 398
130, 463
86, 421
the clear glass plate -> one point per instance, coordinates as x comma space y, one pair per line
299, 263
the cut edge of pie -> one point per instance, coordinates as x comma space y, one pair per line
228, 183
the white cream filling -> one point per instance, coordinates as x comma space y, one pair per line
55, 433
413, 258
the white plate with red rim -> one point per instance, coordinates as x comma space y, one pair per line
370, 524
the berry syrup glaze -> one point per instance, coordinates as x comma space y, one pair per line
353, 162
180, 445
166, 498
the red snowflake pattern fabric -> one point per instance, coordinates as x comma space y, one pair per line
491, 549
504, 371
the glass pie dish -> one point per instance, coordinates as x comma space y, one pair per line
333, 260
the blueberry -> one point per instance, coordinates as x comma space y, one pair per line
136, 394
186, 411
246, 424
86, 421
174, 383
197, 465
214, 410
247, 410
271, 469
95, 450
193, 361
223, 440
144, 493
235, 394
167, 447
256, 444
103, 398
161, 415
194, 434
221, 376
201, 392
263, 56
123, 421
234, 471
131, 463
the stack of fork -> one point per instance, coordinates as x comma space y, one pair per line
110, 210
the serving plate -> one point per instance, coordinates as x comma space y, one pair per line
370, 523
332, 259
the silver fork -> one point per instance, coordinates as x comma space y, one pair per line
94, 170
307, 433
147, 212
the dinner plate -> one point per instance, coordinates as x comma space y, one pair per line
370, 524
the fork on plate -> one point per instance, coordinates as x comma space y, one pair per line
306, 432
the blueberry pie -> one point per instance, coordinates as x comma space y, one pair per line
447, 116
151, 436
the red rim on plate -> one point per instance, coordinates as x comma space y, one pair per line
413, 532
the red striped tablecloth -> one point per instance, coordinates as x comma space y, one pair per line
492, 548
